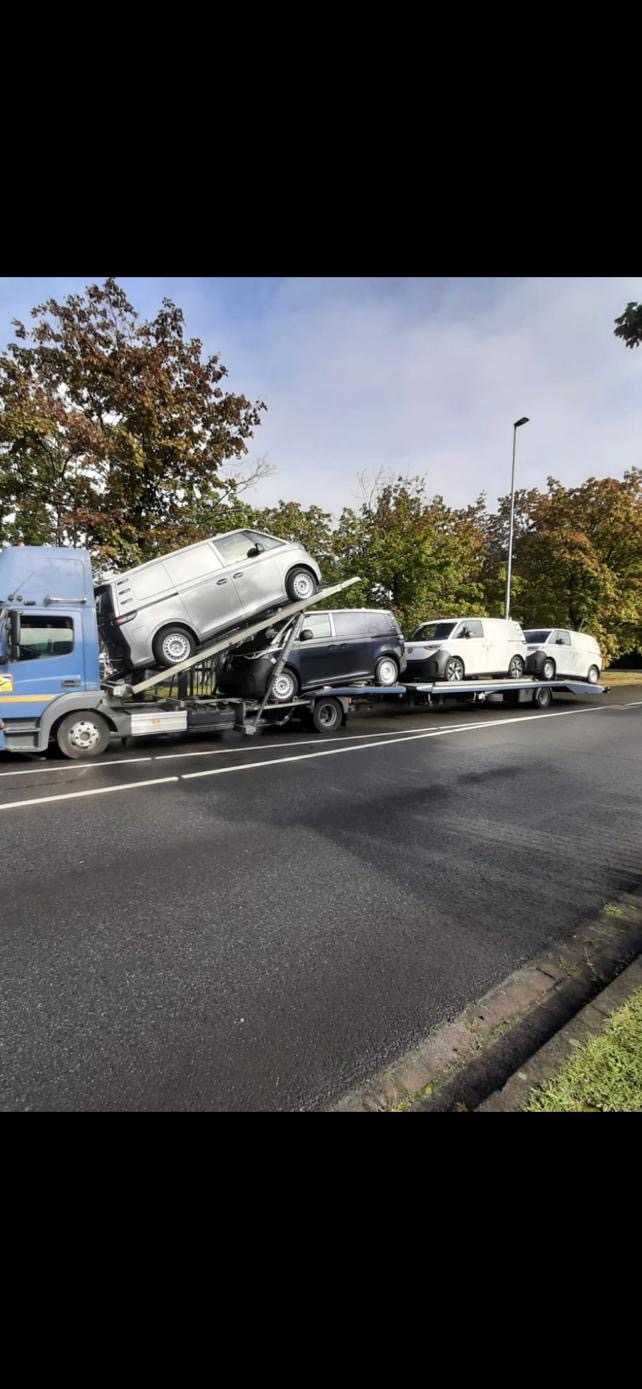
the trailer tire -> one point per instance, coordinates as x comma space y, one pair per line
182, 640
82, 734
542, 697
327, 715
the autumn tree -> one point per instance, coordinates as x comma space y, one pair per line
115, 432
629, 325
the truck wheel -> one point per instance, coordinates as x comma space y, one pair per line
593, 675
300, 584
542, 697
173, 644
327, 715
386, 671
516, 668
454, 668
83, 734
548, 669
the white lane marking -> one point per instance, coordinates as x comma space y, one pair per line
305, 757
95, 791
413, 737
79, 766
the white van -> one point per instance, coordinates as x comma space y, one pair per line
460, 648
557, 652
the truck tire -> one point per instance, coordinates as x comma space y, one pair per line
172, 644
327, 715
300, 584
82, 734
542, 697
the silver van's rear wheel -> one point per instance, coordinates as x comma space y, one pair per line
173, 644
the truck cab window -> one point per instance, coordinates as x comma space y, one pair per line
45, 636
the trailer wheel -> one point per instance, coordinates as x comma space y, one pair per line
327, 715
542, 697
83, 734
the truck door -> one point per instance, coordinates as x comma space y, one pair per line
49, 662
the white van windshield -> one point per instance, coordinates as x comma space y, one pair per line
537, 637
433, 631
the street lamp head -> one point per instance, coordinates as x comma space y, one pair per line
524, 420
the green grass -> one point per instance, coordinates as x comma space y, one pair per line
621, 677
604, 1075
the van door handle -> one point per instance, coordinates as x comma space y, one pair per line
221, 581
239, 575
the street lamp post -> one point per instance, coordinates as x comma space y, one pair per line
516, 426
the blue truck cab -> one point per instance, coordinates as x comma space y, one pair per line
49, 649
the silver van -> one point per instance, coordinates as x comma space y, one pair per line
162, 611
556, 651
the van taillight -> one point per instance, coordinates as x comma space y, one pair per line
127, 617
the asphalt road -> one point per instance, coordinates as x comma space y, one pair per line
258, 924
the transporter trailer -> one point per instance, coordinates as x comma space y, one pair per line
51, 694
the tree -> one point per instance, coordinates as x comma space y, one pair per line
114, 432
412, 553
577, 558
629, 325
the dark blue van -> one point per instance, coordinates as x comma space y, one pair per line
346, 645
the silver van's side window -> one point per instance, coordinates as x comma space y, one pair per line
233, 548
192, 564
267, 541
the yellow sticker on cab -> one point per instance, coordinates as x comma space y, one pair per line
6, 684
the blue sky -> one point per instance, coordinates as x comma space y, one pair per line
365, 375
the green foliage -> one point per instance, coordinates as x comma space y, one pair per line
604, 1075
113, 431
629, 325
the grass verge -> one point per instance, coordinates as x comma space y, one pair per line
621, 677
604, 1075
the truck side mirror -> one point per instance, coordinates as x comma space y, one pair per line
14, 627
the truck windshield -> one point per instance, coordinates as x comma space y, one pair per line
433, 631
535, 637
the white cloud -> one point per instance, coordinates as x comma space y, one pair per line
421, 376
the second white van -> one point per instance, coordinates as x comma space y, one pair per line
556, 651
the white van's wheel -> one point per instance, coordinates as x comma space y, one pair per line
548, 669
300, 584
83, 734
454, 669
173, 644
516, 668
593, 675
285, 687
386, 671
